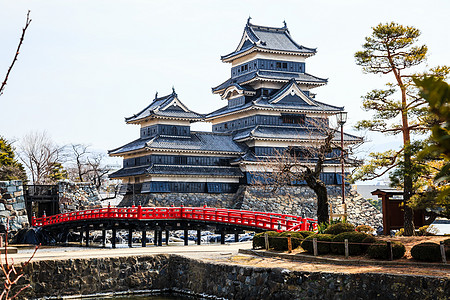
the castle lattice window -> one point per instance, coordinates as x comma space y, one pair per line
293, 119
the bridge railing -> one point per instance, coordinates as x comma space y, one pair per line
262, 220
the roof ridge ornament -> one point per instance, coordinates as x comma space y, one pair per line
156, 95
248, 20
284, 23
173, 90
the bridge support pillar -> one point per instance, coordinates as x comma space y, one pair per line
113, 238
236, 237
81, 237
104, 238
167, 237
144, 238
155, 237
186, 237
222, 236
87, 237
199, 236
130, 238
159, 237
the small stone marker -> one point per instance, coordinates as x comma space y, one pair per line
389, 250
289, 241
266, 241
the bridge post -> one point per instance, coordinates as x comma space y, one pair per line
113, 238
139, 212
87, 236
222, 236
144, 238
186, 237
155, 237
236, 237
159, 237
130, 237
167, 237
103, 237
199, 236
81, 237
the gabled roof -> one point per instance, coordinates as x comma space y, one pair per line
263, 38
166, 107
279, 76
297, 102
197, 141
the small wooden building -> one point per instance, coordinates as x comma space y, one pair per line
393, 211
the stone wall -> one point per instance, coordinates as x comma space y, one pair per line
171, 272
12, 205
77, 196
295, 200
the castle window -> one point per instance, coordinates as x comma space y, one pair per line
284, 65
278, 65
225, 125
293, 119
265, 92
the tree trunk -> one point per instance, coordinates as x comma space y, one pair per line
320, 190
407, 193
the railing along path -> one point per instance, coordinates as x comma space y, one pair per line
255, 219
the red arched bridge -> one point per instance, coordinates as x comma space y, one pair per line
166, 219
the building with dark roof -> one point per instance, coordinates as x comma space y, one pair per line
269, 108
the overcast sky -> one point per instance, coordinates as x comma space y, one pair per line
85, 65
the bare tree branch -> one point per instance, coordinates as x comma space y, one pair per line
27, 23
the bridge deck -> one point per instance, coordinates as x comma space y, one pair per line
259, 221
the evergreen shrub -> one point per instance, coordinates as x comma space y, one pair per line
306, 233
280, 242
426, 252
379, 250
323, 245
365, 229
258, 239
339, 228
352, 237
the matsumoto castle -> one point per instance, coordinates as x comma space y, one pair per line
270, 107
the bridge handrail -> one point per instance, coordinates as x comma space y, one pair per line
257, 219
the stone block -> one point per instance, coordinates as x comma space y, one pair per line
19, 206
17, 194
11, 188
5, 214
8, 207
2, 206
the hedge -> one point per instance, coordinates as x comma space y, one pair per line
426, 252
280, 243
339, 228
258, 239
322, 248
352, 237
379, 250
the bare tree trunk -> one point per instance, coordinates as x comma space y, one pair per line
321, 192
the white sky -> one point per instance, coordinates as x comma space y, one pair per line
85, 65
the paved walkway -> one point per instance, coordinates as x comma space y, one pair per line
207, 252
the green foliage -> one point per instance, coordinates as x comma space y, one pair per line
437, 94
322, 227
426, 252
352, 237
280, 242
57, 172
397, 109
258, 239
10, 168
305, 233
379, 250
400, 232
427, 230
323, 243
376, 203
365, 229
339, 228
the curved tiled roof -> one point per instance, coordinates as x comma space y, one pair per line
160, 107
269, 38
196, 141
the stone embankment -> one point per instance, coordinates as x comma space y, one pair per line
177, 273
12, 205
